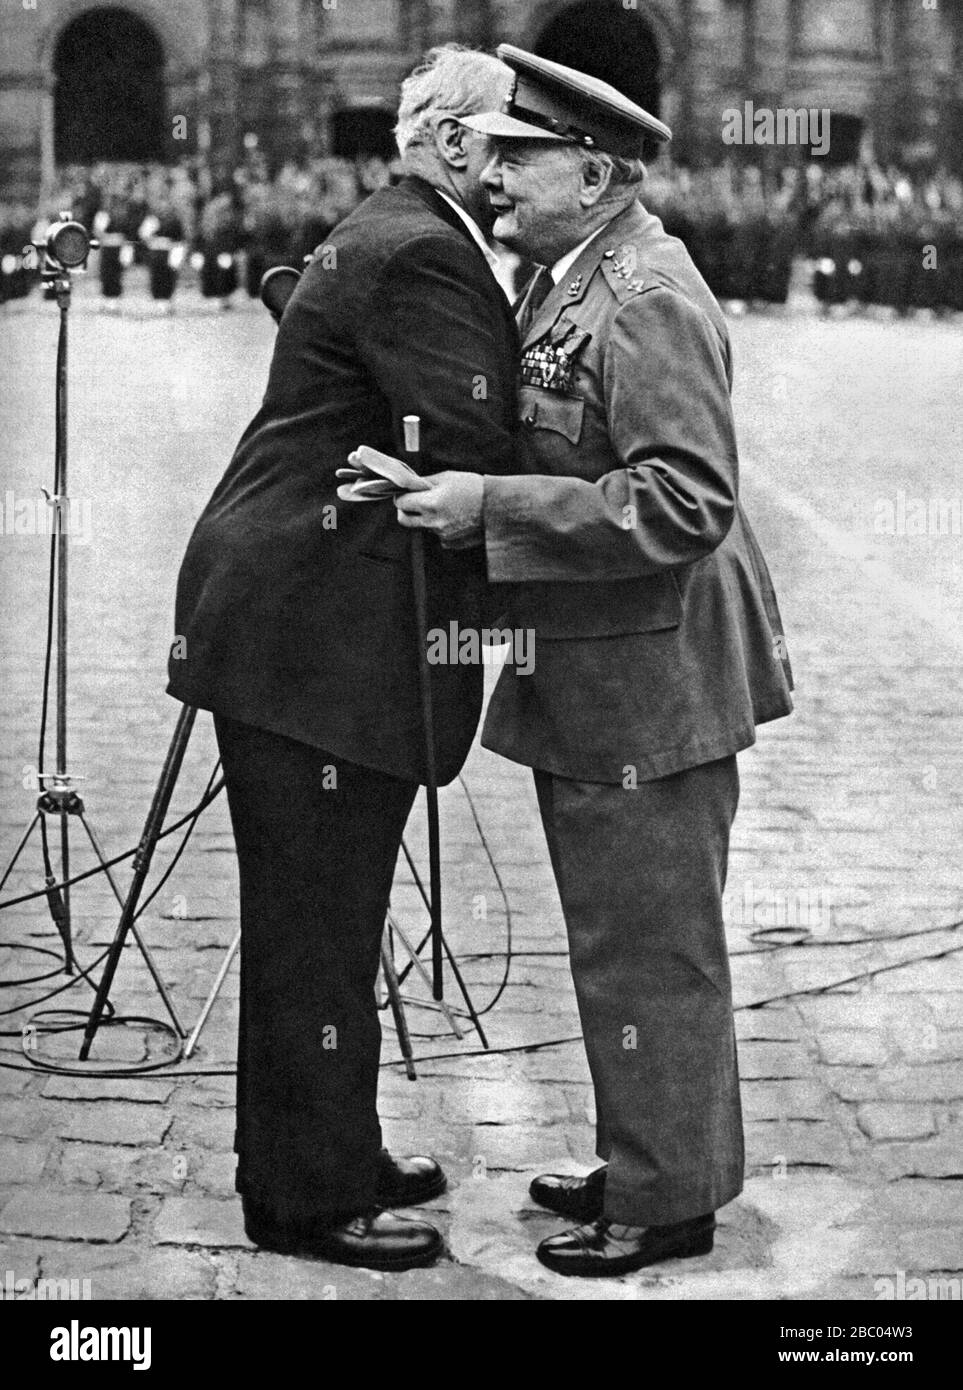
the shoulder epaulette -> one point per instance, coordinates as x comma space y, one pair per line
624, 271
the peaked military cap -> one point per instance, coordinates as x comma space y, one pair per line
549, 101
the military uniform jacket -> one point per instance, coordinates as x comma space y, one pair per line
657, 639
294, 609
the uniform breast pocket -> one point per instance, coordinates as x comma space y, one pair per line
550, 410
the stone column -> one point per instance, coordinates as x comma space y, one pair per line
220, 91
770, 49
920, 57
700, 127
285, 135
771, 41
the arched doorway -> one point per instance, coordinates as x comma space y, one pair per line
108, 89
612, 41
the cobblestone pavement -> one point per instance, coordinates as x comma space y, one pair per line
849, 819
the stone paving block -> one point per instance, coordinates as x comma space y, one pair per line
946, 1009
850, 1048
784, 1100
939, 1157
213, 1173
111, 1122
395, 1104
267, 1276
109, 1166
20, 1257
932, 1248
776, 1146
777, 1024
27, 1119
855, 1083
774, 1061
200, 1221
127, 1270
447, 1283
160, 1275
875, 1252
916, 1202
104, 1088
867, 1011
58, 1215
12, 1082
203, 1129
21, 1163
496, 1102
937, 975
896, 1121
499, 1147
212, 1090
935, 1081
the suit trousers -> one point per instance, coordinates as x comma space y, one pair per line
317, 839
641, 873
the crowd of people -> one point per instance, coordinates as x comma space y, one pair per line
873, 235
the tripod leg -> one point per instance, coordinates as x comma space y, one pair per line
215, 991
398, 1011
148, 958
66, 932
476, 1021
417, 963
142, 861
20, 848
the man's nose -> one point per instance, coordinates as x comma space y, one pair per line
491, 174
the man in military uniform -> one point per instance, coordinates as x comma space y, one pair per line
658, 649
297, 627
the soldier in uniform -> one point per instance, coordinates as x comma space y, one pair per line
658, 649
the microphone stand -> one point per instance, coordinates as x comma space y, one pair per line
58, 795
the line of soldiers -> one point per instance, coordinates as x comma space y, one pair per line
874, 237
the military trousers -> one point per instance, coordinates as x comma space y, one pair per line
317, 839
641, 872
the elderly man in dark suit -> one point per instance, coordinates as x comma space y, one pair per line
298, 632
658, 648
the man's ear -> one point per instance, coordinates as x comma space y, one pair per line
596, 177
451, 142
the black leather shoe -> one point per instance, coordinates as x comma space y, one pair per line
606, 1248
372, 1240
579, 1198
404, 1182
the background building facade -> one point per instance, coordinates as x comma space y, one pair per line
160, 79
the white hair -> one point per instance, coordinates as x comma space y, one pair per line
453, 81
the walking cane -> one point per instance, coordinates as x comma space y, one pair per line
412, 427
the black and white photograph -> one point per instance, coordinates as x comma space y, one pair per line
481, 585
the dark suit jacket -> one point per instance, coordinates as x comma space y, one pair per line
296, 609
658, 642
